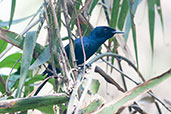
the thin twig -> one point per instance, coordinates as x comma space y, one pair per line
6, 87
108, 78
71, 45
35, 90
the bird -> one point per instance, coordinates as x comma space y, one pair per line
91, 43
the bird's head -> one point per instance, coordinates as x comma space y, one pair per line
104, 32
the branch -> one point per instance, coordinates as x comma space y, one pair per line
22, 104
108, 78
17, 40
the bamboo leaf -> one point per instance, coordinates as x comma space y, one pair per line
159, 9
12, 81
114, 13
43, 57
130, 24
106, 11
130, 96
128, 20
10, 61
3, 45
123, 14
13, 4
6, 23
92, 6
29, 44
151, 17
93, 106
22, 104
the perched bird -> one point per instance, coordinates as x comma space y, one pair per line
91, 44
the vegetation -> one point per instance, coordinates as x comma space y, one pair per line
72, 86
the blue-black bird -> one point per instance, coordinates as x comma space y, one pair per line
91, 44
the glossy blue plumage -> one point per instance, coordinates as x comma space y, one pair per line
91, 44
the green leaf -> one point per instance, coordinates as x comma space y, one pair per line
129, 96
151, 17
46, 109
94, 86
106, 11
128, 20
93, 106
43, 57
12, 12
160, 12
12, 81
123, 14
10, 61
114, 13
2, 88
92, 6
36, 78
78, 3
130, 24
3, 45
33, 80
28, 48
6, 23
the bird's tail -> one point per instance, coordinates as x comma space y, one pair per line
48, 73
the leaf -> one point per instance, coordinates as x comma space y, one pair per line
6, 23
95, 103
12, 81
130, 24
106, 11
94, 86
22, 104
10, 61
12, 12
2, 88
78, 3
92, 6
3, 45
151, 20
46, 109
43, 57
160, 12
130, 96
123, 14
28, 48
114, 13
128, 20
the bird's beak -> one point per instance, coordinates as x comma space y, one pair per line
118, 32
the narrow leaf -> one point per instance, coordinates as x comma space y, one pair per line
151, 17
160, 12
3, 45
123, 14
93, 106
128, 20
22, 104
106, 11
92, 6
10, 60
114, 13
6, 23
29, 44
43, 57
12, 81
131, 95
13, 4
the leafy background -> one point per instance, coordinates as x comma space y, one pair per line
149, 64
